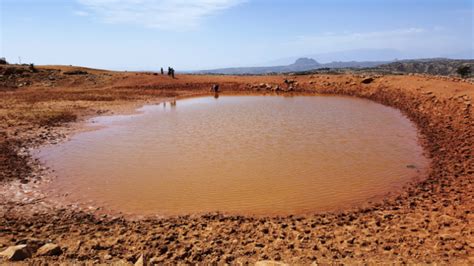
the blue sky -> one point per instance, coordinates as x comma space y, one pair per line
201, 34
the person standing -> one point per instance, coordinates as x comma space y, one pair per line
162, 71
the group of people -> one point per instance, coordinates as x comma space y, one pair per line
170, 72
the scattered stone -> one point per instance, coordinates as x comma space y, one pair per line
156, 260
120, 263
141, 261
270, 263
16, 253
447, 237
49, 249
367, 80
343, 239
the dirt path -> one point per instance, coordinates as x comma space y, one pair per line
431, 221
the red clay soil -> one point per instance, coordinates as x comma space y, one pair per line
430, 221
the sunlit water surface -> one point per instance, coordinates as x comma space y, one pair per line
240, 154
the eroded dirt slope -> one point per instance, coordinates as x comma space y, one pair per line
431, 221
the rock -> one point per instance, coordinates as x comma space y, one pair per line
120, 263
32, 243
367, 80
447, 237
269, 263
141, 261
49, 249
16, 253
155, 260
228, 258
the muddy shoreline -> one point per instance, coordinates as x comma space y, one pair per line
430, 221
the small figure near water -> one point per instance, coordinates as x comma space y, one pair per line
162, 71
171, 72
215, 88
32, 68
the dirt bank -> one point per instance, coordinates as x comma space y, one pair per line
431, 221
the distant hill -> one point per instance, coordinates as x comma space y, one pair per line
435, 66
301, 64
360, 55
432, 66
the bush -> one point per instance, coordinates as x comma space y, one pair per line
464, 71
75, 72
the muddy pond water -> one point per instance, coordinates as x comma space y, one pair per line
261, 155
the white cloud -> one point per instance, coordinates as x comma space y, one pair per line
411, 41
81, 13
361, 38
439, 28
162, 14
350, 40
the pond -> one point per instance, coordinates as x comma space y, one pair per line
262, 155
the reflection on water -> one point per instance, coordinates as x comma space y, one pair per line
240, 154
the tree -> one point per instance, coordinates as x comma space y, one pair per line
464, 71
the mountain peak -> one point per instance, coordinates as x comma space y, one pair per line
305, 61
